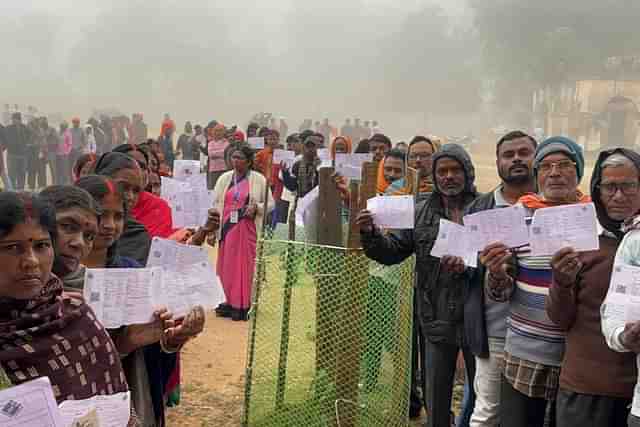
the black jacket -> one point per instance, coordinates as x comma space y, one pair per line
475, 325
439, 295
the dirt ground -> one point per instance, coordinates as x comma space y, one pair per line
213, 376
213, 365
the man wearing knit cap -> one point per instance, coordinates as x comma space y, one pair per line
534, 345
439, 288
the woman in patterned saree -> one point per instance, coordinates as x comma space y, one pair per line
42, 331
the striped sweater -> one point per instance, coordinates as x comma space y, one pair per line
531, 335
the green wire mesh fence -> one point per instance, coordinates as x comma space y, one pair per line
330, 339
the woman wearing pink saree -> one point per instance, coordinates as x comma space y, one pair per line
243, 198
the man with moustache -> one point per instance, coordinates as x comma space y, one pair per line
484, 319
439, 286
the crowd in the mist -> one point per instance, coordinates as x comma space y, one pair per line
38, 154
101, 211
539, 350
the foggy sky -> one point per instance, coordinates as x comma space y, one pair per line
200, 60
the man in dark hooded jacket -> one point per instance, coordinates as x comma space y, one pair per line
439, 286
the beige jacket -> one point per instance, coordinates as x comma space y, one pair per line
257, 191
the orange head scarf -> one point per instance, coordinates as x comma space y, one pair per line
535, 201
346, 140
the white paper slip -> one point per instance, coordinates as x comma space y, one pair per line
30, 404
559, 227
256, 142
171, 254
392, 212
453, 240
170, 187
350, 165
122, 296
112, 411
189, 209
129, 296
284, 156
325, 158
183, 169
307, 206
188, 286
504, 225
623, 299
197, 182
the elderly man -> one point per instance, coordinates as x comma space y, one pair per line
534, 345
439, 288
596, 383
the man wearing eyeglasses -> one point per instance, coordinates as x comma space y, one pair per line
597, 383
534, 344
419, 157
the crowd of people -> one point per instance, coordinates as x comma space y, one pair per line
539, 349
537, 346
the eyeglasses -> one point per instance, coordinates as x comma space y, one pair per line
420, 156
563, 166
611, 188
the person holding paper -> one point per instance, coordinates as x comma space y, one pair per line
216, 146
438, 287
394, 171
534, 344
419, 157
153, 212
149, 348
341, 144
264, 164
303, 176
240, 200
485, 319
596, 383
139, 155
41, 329
379, 145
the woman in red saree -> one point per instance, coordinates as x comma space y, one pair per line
240, 197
